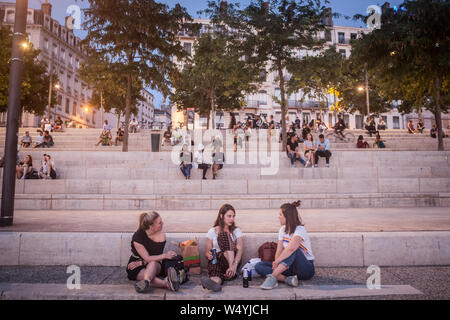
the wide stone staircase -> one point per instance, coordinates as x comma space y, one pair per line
408, 174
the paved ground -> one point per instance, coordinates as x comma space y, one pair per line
433, 282
254, 221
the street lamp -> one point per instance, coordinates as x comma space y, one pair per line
12, 127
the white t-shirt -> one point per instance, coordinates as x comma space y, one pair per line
305, 245
212, 235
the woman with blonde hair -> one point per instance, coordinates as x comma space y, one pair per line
225, 238
294, 259
147, 263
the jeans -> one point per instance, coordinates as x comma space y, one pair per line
296, 264
294, 157
186, 170
322, 153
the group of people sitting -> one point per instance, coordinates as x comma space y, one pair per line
44, 140
311, 150
149, 266
106, 136
363, 144
200, 160
25, 170
413, 130
372, 127
56, 126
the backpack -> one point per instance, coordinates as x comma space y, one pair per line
178, 264
266, 251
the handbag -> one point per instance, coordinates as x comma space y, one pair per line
267, 251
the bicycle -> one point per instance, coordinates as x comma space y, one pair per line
334, 137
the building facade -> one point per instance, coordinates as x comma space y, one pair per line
145, 116
63, 53
264, 102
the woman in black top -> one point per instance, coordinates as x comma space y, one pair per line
148, 262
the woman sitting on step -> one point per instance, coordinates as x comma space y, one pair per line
225, 238
294, 259
147, 263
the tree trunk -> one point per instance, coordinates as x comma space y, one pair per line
127, 114
208, 119
213, 110
118, 119
437, 111
283, 105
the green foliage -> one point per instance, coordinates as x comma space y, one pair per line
216, 78
136, 39
409, 56
275, 34
35, 82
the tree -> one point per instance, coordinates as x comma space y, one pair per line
317, 76
352, 97
35, 83
137, 38
410, 56
217, 77
275, 31
109, 87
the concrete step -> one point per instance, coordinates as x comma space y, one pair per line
354, 249
67, 171
194, 291
174, 201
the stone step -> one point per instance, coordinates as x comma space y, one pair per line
236, 187
354, 249
119, 172
194, 291
358, 160
174, 201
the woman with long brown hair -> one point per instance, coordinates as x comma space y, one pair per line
147, 263
226, 239
294, 259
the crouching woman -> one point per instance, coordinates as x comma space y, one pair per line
294, 259
148, 263
226, 239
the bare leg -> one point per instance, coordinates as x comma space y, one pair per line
150, 272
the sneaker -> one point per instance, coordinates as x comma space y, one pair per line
307, 164
172, 279
327, 166
207, 283
270, 283
142, 286
316, 166
292, 281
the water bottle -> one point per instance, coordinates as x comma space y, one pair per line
214, 254
245, 279
249, 272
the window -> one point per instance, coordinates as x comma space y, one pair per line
59, 100
188, 48
353, 36
343, 52
262, 97
67, 106
46, 44
328, 35
396, 122
10, 16
358, 121
74, 110
341, 37
347, 120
